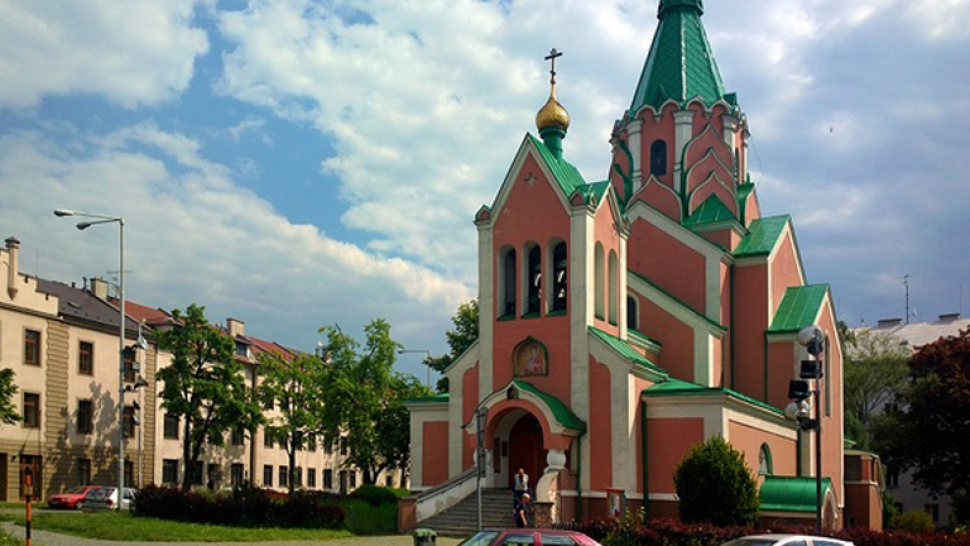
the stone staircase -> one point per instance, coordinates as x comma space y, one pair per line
461, 520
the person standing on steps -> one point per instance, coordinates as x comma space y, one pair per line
521, 513
520, 485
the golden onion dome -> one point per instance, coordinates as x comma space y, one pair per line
552, 114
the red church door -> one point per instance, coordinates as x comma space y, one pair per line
525, 449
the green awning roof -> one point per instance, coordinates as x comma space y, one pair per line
798, 308
679, 387
791, 493
762, 237
563, 414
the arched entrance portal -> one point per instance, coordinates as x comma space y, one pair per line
526, 449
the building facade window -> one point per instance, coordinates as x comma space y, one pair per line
268, 440
31, 410
199, 473
311, 478
284, 476
560, 267
171, 427
238, 437
129, 421
327, 478
343, 446
214, 480
129, 366
765, 465
388, 480
297, 477
83, 471
170, 471
534, 278
933, 510
130, 473
631, 313
508, 280
267, 475
85, 358
312, 442
236, 473
32, 347
614, 288
85, 416
658, 158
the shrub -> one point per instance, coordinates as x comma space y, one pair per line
375, 494
363, 518
914, 521
715, 485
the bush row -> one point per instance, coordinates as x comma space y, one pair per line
631, 531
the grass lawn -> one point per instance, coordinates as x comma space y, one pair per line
16, 504
7, 540
123, 526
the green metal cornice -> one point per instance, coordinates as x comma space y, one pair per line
680, 66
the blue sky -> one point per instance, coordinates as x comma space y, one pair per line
296, 164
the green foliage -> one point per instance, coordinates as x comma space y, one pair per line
889, 510
375, 494
459, 339
927, 429
297, 387
363, 518
204, 386
914, 521
875, 372
8, 411
7, 540
365, 399
715, 485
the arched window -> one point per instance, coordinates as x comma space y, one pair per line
631, 313
535, 280
614, 289
559, 278
765, 466
508, 309
658, 157
599, 283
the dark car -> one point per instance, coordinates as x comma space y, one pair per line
70, 500
548, 537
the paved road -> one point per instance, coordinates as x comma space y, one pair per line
45, 538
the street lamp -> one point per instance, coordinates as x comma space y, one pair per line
813, 339
103, 219
428, 361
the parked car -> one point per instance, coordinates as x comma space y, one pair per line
71, 499
106, 498
539, 537
786, 540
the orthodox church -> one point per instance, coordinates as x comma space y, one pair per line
627, 319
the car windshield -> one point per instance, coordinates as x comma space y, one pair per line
481, 539
101, 493
751, 542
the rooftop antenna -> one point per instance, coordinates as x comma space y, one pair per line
906, 284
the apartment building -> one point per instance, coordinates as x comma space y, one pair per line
62, 343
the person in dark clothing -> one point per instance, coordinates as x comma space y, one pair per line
521, 513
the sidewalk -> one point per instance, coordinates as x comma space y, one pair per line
45, 538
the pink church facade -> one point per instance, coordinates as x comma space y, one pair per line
625, 320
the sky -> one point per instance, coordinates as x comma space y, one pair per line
296, 164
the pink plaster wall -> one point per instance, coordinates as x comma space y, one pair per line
664, 200
469, 393
600, 419
641, 384
670, 264
750, 322
605, 231
784, 271
725, 273
748, 439
434, 466
781, 370
657, 129
668, 440
677, 355
831, 436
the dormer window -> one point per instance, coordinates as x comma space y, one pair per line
658, 158
242, 349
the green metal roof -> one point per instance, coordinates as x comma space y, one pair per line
791, 493
564, 172
644, 339
443, 397
680, 65
762, 237
680, 302
798, 308
711, 210
679, 387
627, 351
563, 415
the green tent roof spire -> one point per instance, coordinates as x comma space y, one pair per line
681, 64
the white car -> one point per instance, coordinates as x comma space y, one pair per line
106, 498
786, 540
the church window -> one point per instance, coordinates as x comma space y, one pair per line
559, 278
614, 289
631, 313
535, 280
508, 280
765, 467
599, 284
658, 158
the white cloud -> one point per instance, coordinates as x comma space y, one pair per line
193, 235
136, 52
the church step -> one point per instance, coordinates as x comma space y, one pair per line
462, 519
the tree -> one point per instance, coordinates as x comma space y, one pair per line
203, 386
875, 372
297, 386
926, 429
365, 399
459, 340
8, 411
715, 485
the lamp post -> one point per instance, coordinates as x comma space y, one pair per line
103, 219
428, 361
813, 339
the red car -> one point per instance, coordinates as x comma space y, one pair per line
538, 537
70, 500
